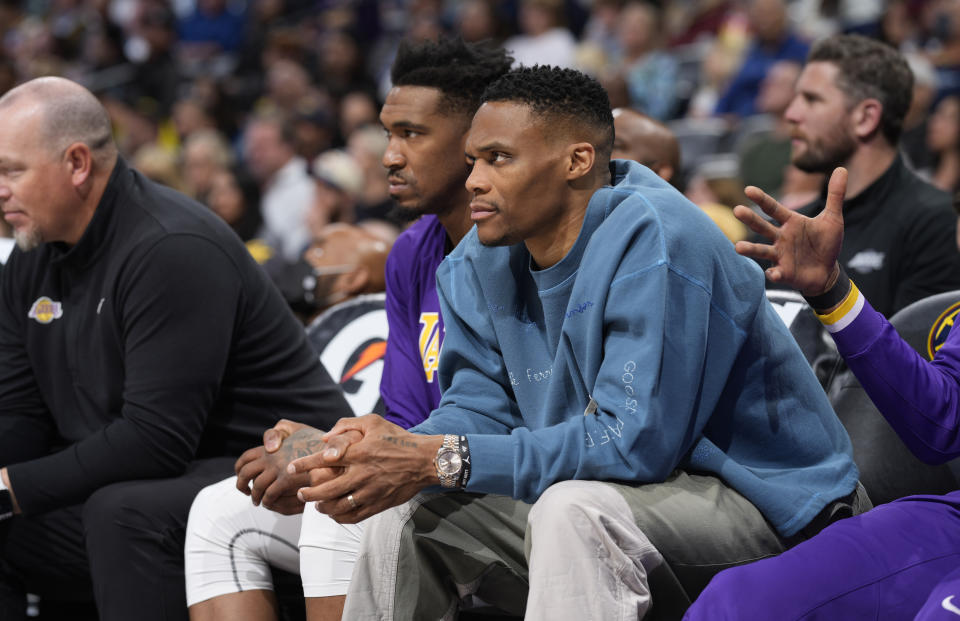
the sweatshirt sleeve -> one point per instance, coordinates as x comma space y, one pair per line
663, 365
919, 398
179, 310
476, 396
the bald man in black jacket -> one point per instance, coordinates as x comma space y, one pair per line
141, 351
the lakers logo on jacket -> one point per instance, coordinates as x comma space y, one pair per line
45, 310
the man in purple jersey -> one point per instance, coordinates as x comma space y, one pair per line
427, 114
900, 560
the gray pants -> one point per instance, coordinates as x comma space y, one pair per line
584, 550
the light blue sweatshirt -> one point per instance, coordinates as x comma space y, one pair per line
649, 347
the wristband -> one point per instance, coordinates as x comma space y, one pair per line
845, 312
465, 460
833, 296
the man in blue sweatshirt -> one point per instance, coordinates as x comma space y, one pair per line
614, 384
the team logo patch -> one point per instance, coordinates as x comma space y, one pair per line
45, 310
430, 339
867, 261
351, 340
941, 328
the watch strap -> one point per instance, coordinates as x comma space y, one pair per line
464, 447
833, 296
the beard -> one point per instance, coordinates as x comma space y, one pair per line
27, 239
822, 156
403, 214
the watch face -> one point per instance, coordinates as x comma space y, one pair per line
449, 462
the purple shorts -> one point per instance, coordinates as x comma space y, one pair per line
897, 561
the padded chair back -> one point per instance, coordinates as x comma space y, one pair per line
887, 468
351, 340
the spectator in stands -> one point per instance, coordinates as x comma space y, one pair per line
291, 90
800, 188
600, 33
645, 140
342, 64
347, 261
721, 61
479, 20
563, 359
158, 164
651, 143
213, 28
704, 20
315, 131
151, 50
287, 189
849, 108
339, 184
235, 197
913, 140
367, 145
189, 116
772, 42
944, 48
427, 114
649, 73
357, 109
186, 353
943, 142
715, 187
205, 153
898, 561
544, 39
765, 151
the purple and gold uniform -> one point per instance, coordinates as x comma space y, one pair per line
409, 385
900, 560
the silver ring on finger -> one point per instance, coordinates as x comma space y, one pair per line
352, 501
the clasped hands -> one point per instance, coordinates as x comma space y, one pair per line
357, 469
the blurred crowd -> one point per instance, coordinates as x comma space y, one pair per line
266, 110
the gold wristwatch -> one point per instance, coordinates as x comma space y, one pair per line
453, 462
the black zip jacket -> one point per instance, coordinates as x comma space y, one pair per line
153, 341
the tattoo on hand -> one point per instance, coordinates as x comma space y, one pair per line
309, 448
301, 444
399, 441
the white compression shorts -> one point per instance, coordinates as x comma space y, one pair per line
231, 545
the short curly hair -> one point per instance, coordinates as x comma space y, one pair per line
563, 94
459, 70
869, 69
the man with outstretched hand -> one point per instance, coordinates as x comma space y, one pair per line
898, 561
